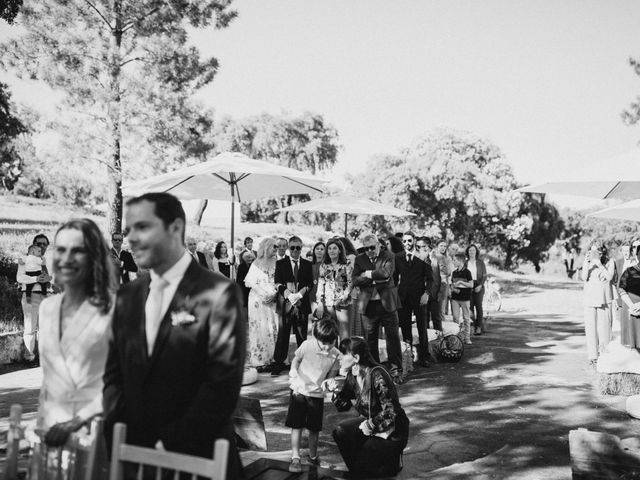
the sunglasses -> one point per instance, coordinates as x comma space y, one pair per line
295, 247
407, 241
421, 246
370, 248
41, 244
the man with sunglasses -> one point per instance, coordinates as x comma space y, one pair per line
431, 310
294, 280
378, 300
414, 278
31, 308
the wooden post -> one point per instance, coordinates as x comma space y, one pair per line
13, 442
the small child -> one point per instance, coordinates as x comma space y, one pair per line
33, 263
461, 285
314, 361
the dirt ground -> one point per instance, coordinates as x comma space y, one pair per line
504, 411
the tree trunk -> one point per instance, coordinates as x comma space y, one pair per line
197, 218
114, 165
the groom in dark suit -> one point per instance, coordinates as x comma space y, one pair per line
176, 358
294, 280
378, 300
414, 279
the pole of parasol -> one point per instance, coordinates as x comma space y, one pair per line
231, 248
346, 215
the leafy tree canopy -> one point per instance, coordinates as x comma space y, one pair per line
9, 10
11, 128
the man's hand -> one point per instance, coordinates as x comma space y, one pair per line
366, 274
424, 298
59, 433
366, 429
44, 278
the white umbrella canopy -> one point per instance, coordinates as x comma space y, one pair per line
229, 176
347, 204
621, 189
624, 211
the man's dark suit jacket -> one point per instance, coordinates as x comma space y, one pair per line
184, 392
202, 260
284, 275
129, 265
381, 280
415, 278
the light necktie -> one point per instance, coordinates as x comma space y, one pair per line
153, 310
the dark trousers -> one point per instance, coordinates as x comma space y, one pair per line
404, 316
299, 322
375, 316
432, 313
476, 307
368, 456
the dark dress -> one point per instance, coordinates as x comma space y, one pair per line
377, 401
243, 269
225, 268
630, 325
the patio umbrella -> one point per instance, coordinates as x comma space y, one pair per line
229, 176
347, 204
622, 189
624, 211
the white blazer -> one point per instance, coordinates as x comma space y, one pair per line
72, 366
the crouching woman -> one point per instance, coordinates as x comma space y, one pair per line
371, 444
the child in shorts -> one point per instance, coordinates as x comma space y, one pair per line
33, 262
461, 285
315, 360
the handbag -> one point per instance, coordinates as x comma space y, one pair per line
342, 404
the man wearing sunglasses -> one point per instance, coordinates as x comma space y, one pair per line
378, 300
414, 284
294, 280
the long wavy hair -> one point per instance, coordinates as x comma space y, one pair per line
218, 250
342, 258
263, 260
349, 249
603, 252
100, 284
313, 252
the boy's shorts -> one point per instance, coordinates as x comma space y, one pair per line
305, 412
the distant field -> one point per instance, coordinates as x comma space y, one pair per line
21, 218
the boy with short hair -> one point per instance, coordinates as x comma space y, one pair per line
315, 360
461, 285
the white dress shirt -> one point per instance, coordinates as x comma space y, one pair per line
173, 276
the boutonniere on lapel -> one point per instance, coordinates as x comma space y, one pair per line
183, 314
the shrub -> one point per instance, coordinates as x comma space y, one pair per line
10, 308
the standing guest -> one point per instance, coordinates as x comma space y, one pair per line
75, 328
31, 308
33, 263
122, 259
314, 361
317, 257
281, 248
568, 258
355, 326
414, 284
378, 300
478, 270
461, 286
263, 317
192, 249
439, 256
205, 257
224, 260
372, 443
246, 259
334, 287
597, 273
248, 245
432, 309
294, 281
629, 288
394, 245
176, 359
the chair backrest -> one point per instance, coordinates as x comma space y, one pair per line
122, 452
83, 457
13, 442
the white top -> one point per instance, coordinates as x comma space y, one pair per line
173, 276
472, 266
32, 263
313, 367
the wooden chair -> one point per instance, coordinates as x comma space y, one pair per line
122, 452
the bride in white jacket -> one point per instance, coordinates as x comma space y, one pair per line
74, 331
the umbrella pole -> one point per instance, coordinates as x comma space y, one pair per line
232, 272
346, 219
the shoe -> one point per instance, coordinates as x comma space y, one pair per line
313, 460
477, 331
295, 466
265, 368
277, 369
468, 342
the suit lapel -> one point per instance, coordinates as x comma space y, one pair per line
186, 286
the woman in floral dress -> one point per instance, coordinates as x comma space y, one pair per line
263, 319
334, 287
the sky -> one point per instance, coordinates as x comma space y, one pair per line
545, 80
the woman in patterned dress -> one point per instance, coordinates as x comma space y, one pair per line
334, 287
263, 319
